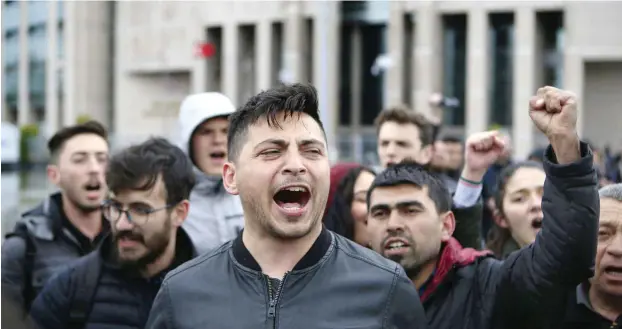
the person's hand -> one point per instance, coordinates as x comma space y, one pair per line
481, 151
554, 112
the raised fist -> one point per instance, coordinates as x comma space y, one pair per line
554, 112
480, 151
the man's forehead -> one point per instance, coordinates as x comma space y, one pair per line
154, 193
293, 125
86, 143
610, 212
398, 194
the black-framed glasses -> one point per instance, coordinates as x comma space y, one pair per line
135, 214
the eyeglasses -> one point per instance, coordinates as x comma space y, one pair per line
135, 214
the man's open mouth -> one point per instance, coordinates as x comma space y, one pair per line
92, 186
218, 155
536, 223
614, 271
292, 197
393, 244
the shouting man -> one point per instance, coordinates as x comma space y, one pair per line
285, 270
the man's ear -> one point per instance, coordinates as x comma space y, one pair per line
53, 174
228, 178
181, 212
448, 225
499, 219
425, 155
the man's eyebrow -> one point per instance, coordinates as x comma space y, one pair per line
274, 141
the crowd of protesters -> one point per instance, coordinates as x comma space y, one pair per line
246, 224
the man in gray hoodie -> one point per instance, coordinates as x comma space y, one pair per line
215, 216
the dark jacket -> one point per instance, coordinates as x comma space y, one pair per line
40, 246
580, 314
122, 298
471, 289
337, 284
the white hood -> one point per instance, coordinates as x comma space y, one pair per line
196, 109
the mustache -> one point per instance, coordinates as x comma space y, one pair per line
130, 235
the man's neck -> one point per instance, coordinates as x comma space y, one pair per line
424, 274
89, 223
274, 256
163, 262
608, 306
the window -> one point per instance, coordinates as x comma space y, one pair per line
246, 63
214, 63
454, 65
501, 29
277, 53
407, 72
374, 40
345, 88
550, 37
308, 51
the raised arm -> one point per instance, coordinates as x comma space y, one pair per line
536, 278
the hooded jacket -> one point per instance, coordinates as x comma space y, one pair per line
215, 216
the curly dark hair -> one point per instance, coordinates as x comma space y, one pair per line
140, 166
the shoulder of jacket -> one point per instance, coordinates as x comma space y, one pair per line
204, 263
357, 253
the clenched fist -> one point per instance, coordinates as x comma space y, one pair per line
481, 150
554, 112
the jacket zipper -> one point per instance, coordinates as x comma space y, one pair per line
274, 299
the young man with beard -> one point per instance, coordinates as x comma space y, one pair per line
215, 216
68, 224
150, 184
285, 270
410, 221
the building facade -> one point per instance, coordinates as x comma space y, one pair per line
57, 62
366, 55
130, 63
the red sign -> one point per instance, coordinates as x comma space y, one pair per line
205, 50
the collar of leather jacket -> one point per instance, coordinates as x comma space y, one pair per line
312, 257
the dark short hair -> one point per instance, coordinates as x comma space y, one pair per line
451, 139
294, 99
138, 167
56, 143
408, 172
403, 115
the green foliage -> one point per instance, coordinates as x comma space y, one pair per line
27, 133
83, 118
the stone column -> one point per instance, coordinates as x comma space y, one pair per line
230, 62
394, 82
69, 62
51, 66
428, 56
524, 80
263, 59
477, 71
294, 43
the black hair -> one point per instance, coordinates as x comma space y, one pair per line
451, 139
58, 140
338, 216
409, 172
138, 167
403, 115
294, 99
498, 236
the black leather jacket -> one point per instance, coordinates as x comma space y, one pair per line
337, 284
